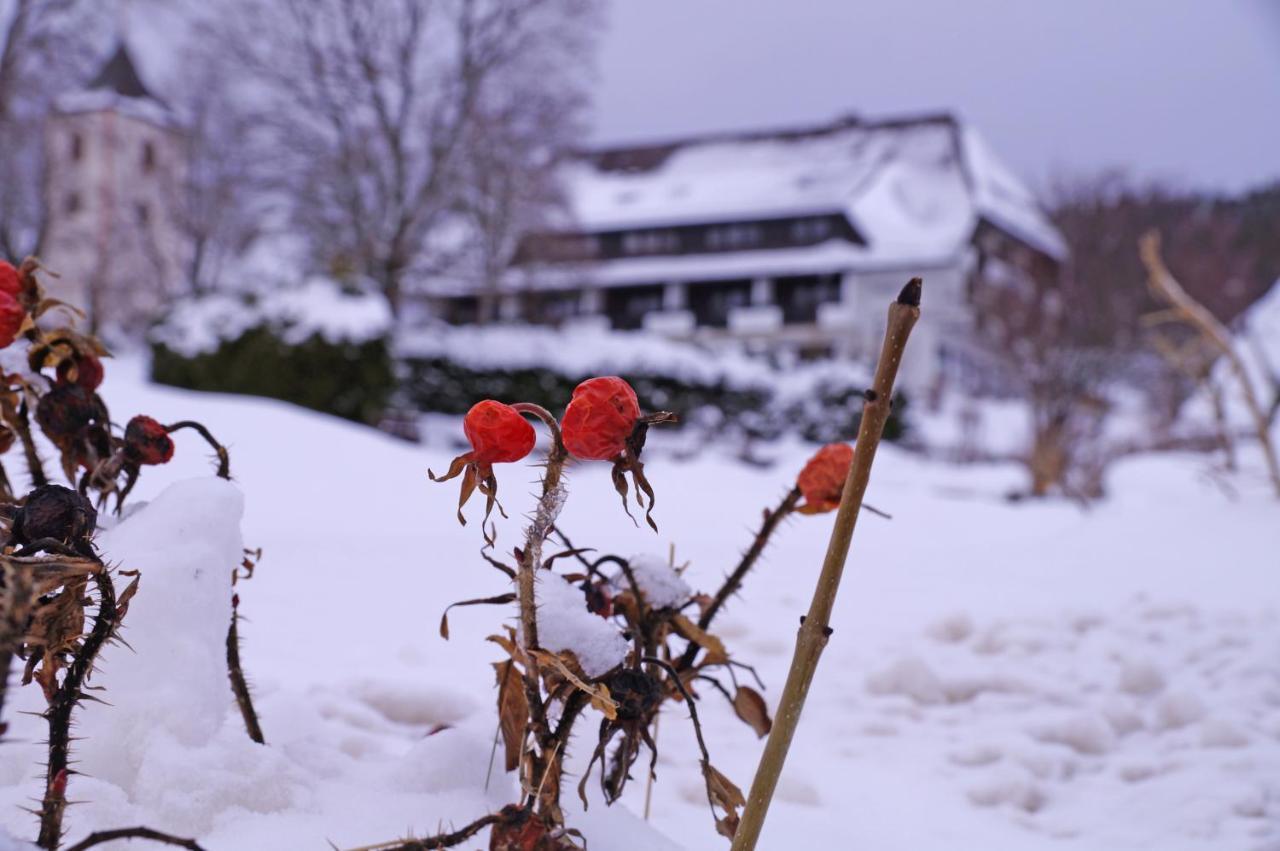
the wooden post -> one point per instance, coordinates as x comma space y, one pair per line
814, 627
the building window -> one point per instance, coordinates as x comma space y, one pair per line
735, 237
800, 296
627, 306
71, 205
77, 146
650, 242
148, 157
142, 212
811, 230
712, 301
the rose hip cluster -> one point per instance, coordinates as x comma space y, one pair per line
602, 422
66, 404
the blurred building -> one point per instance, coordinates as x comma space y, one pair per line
115, 162
795, 239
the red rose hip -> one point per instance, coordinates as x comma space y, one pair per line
600, 418
87, 368
11, 318
498, 434
10, 280
822, 479
147, 442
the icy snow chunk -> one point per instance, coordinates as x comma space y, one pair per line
185, 544
564, 623
910, 677
661, 586
953, 628
1008, 786
1220, 733
1086, 733
1140, 677
1178, 710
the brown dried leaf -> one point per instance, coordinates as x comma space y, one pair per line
500, 599
122, 602
513, 711
751, 708
687, 629
724, 794
599, 693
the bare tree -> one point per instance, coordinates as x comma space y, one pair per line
369, 110
47, 47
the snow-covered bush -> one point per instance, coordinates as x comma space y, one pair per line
448, 369
317, 346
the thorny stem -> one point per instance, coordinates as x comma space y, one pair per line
815, 629
101, 836
443, 840
64, 701
224, 459
544, 518
235, 673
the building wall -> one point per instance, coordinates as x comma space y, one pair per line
113, 184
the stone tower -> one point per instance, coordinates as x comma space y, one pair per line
115, 166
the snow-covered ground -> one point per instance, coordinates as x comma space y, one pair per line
1000, 677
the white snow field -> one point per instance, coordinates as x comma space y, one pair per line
1030, 676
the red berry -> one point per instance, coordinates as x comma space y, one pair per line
600, 417
88, 371
497, 432
147, 442
11, 318
822, 479
10, 281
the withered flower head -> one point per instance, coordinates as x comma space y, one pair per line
498, 434
635, 692
603, 423
65, 412
147, 442
52, 511
822, 479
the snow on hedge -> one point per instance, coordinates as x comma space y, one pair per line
581, 351
318, 306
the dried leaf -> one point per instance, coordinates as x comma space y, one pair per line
751, 708
513, 711
599, 693
687, 629
724, 794
499, 600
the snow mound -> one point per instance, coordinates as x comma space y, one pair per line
564, 623
661, 586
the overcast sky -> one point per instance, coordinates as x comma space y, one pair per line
1186, 90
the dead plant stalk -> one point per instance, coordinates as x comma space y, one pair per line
814, 627
1165, 286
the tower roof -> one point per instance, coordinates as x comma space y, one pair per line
120, 75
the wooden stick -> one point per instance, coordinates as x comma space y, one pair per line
814, 628
1164, 285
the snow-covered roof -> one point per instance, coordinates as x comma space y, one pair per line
911, 188
118, 87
